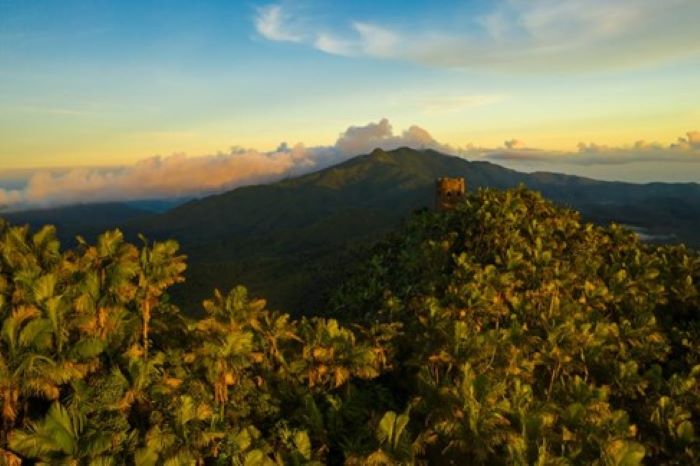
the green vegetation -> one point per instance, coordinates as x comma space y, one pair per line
506, 331
276, 238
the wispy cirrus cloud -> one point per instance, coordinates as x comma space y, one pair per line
273, 23
333, 45
511, 34
282, 23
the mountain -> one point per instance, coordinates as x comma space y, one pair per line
90, 219
86, 220
290, 240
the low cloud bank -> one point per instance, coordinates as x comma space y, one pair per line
159, 177
686, 149
181, 175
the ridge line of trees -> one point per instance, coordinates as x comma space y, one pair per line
504, 331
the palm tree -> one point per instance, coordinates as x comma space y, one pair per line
26, 365
56, 439
104, 288
226, 341
160, 269
334, 355
34, 328
183, 438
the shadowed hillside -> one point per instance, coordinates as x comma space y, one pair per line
90, 219
501, 331
292, 240
289, 240
87, 220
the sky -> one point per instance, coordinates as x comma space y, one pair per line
94, 92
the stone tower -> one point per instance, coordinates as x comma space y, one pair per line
448, 192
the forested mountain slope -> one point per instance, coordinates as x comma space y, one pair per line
503, 331
87, 219
290, 240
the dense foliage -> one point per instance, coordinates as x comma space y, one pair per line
276, 238
503, 332
530, 337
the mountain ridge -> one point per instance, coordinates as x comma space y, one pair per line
280, 239
275, 237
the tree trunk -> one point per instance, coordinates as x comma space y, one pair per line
146, 316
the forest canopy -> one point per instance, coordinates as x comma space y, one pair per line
504, 331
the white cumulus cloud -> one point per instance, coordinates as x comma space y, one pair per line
181, 175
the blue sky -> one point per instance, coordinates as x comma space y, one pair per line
104, 83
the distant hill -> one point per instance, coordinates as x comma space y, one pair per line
289, 240
86, 220
89, 220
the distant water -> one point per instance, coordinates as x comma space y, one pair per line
645, 235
